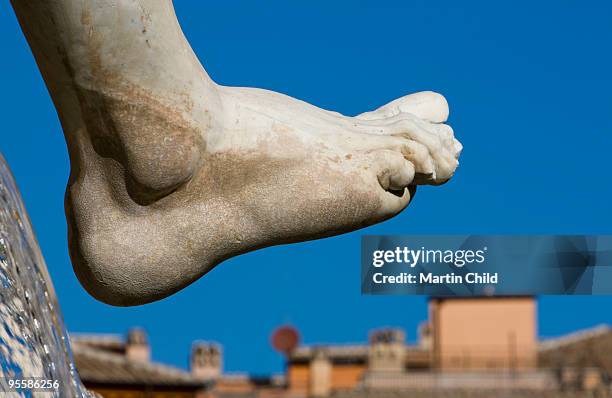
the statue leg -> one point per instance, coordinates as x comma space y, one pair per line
172, 173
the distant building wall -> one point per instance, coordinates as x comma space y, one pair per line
343, 376
298, 375
229, 386
487, 333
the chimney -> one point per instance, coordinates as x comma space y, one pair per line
387, 352
206, 360
137, 347
320, 374
425, 335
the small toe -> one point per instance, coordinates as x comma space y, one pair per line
394, 171
419, 156
431, 149
394, 175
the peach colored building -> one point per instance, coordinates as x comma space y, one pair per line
480, 334
462, 335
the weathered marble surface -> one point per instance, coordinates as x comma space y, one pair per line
172, 173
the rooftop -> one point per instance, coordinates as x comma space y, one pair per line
102, 360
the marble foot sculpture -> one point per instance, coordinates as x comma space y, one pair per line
172, 173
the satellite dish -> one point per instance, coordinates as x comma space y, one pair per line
285, 339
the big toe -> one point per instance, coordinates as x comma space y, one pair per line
426, 105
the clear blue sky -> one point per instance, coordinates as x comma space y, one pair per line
530, 88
